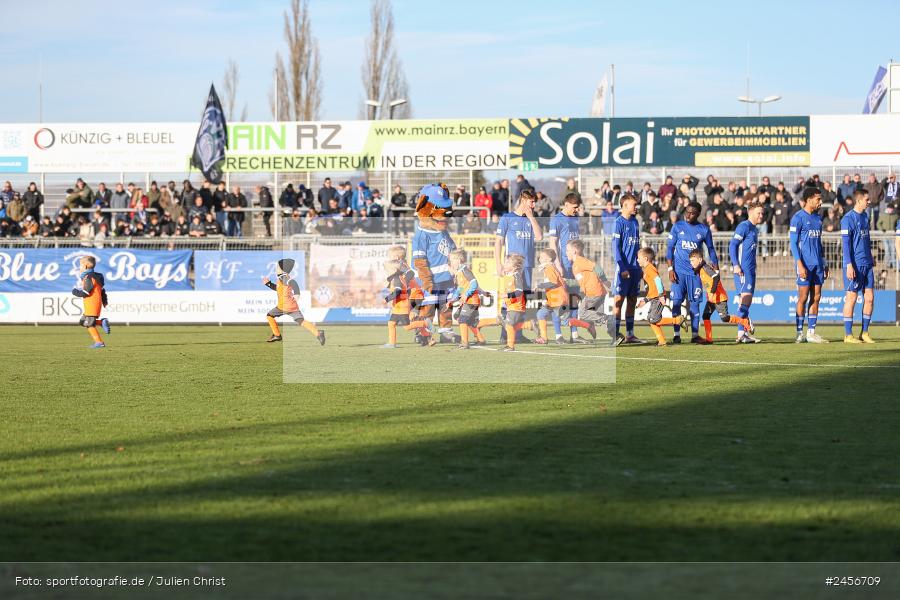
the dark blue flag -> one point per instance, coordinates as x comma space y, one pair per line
209, 149
876, 92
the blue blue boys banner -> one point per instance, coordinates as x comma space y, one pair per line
30, 270
242, 270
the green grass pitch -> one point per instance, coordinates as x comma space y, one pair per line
183, 443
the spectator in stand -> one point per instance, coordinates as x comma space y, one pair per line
471, 223
520, 185
617, 195
360, 196
603, 193
197, 229
781, 214
30, 227
169, 205
81, 196
650, 205
154, 228
543, 207
305, 196
629, 189
101, 236
685, 191
265, 201
210, 225
652, 224
845, 189
398, 212
718, 210
674, 217
645, 193
499, 200
138, 229
7, 192
288, 197
46, 227
346, 199
483, 199
832, 221
829, 198
608, 218
334, 208
220, 203
767, 187
119, 201
326, 193
730, 193
361, 222
103, 196
206, 192
294, 225
666, 188
98, 221
235, 203
188, 193
738, 210
692, 182
85, 231
139, 205
182, 227
463, 198
60, 226
666, 207
888, 217
16, 210
801, 183
153, 195
197, 210
779, 187
176, 197
711, 189
375, 213
123, 229
34, 199
876, 195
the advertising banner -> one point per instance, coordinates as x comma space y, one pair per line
242, 270
349, 281
695, 141
332, 146
57, 270
781, 305
854, 140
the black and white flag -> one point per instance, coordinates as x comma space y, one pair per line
209, 149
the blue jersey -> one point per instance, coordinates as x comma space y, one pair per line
684, 238
743, 247
855, 239
435, 247
806, 239
519, 236
626, 243
564, 228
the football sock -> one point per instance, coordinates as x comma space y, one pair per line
695, 323
866, 319
618, 325
557, 324
676, 310
744, 313
542, 328
510, 336
812, 322
629, 326
477, 333
464, 335
392, 332
848, 325
312, 328
657, 331
273, 325
95, 334
799, 320
707, 329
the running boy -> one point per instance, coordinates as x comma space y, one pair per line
469, 294
590, 307
287, 290
655, 294
398, 292
93, 295
556, 297
716, 297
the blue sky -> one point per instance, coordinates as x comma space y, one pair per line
153, 61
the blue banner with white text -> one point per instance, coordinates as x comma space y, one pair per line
57, 270
242, 269
781, 305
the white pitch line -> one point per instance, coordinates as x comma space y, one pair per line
697, 361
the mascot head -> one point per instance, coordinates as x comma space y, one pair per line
434, 206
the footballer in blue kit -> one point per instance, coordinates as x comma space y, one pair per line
565, 226
517, 232
812, 268
859, 272
625, 245
685, 237
742, 251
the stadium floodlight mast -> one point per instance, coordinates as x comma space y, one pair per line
759, 103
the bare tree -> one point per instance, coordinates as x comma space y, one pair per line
382, 72
299, 93
229, 88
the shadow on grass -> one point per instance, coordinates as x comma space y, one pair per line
804, 471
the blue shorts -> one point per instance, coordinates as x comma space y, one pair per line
746, 283
630, 286
865, 279
814, 276
688, 287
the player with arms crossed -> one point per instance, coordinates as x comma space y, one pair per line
742, 250
812, 268
685, 237
627, 282
859, 273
